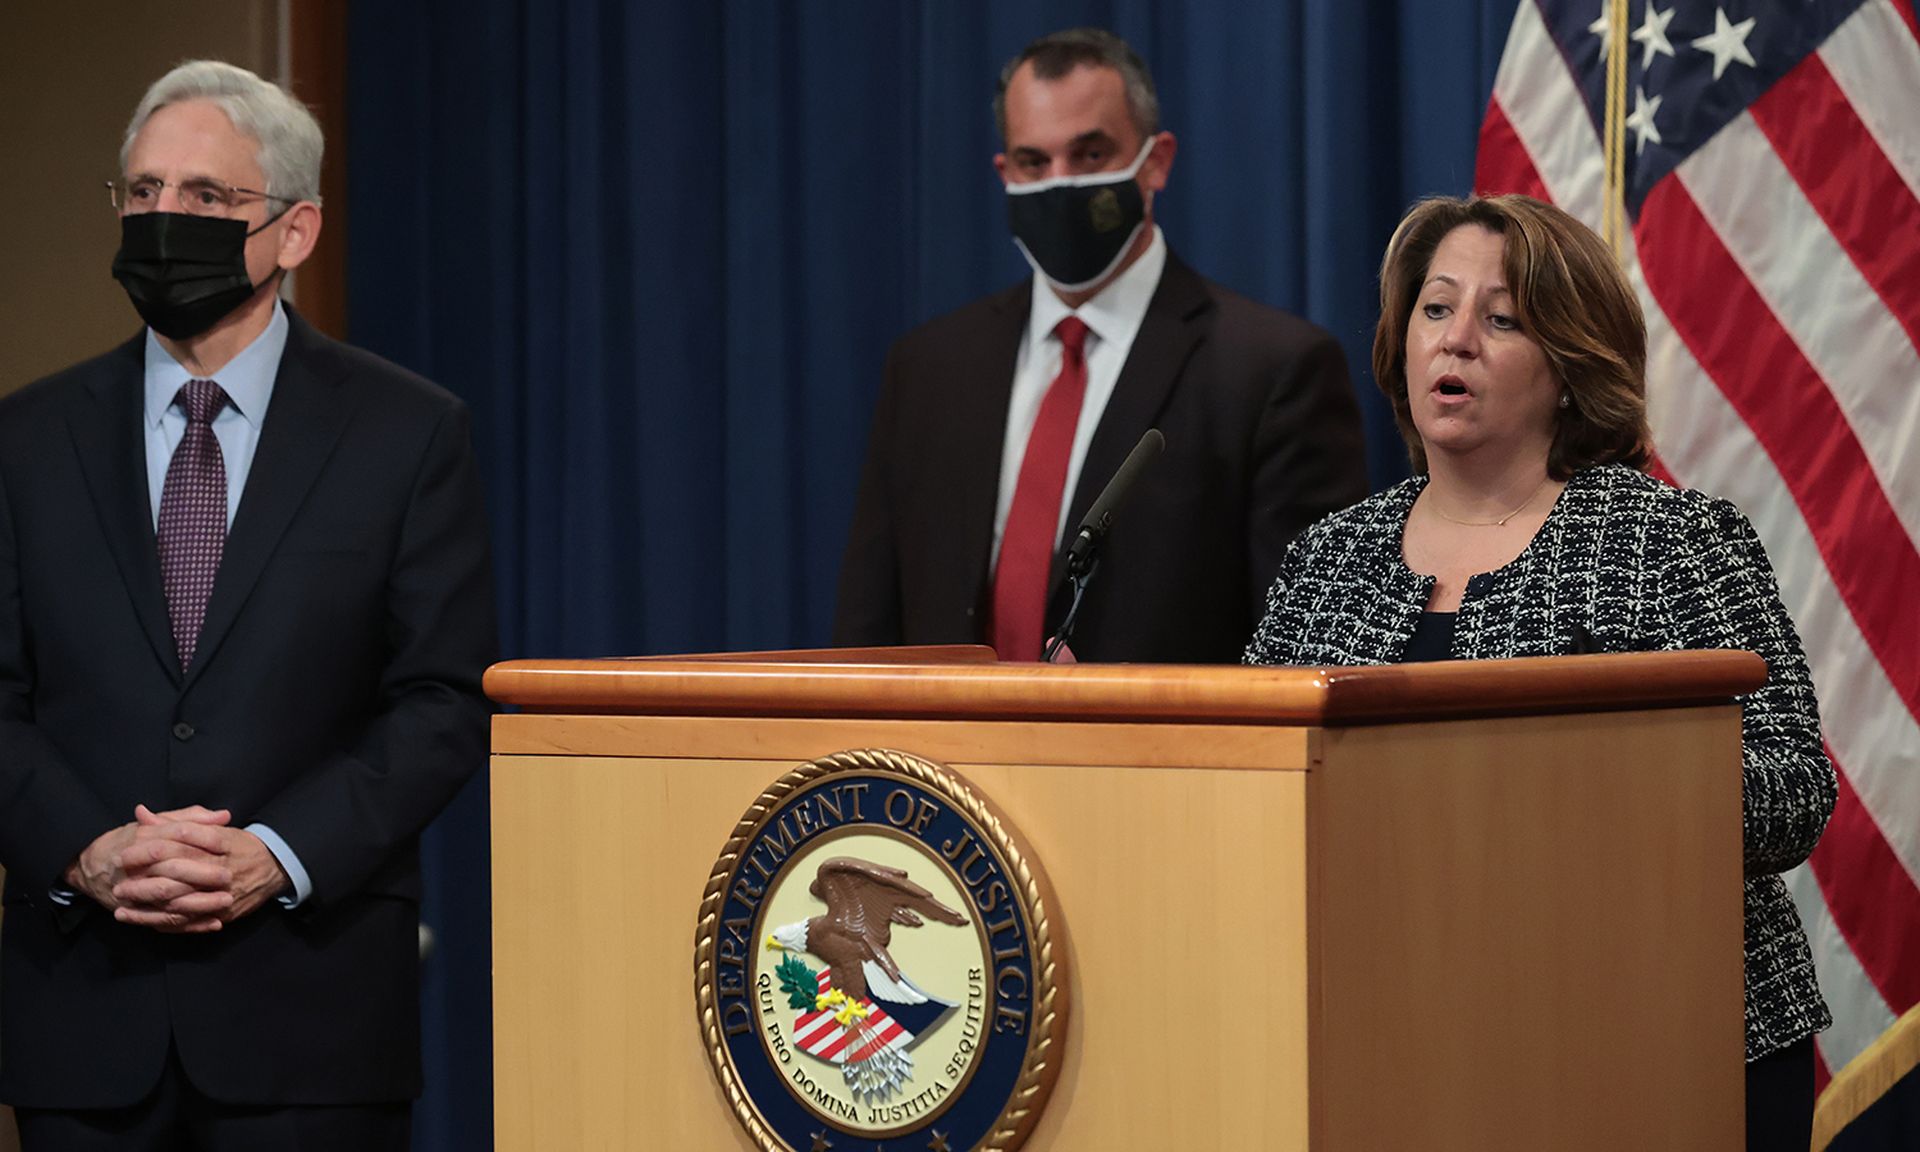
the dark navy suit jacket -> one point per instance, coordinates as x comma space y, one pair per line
335, 696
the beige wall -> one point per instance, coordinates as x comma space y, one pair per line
70, 75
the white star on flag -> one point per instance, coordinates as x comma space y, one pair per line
1603, 28
1652, 33
1642, 119
1727, 42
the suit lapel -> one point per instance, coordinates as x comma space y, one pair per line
304, 420
1169, 333
983, 370
107, 435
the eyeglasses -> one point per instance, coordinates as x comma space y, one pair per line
198, 196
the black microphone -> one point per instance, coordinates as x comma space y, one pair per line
1083, 555
1093, 529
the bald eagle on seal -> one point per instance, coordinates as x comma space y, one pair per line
864, 901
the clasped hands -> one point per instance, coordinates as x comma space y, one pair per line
180, 871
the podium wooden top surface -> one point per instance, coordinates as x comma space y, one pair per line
966, 682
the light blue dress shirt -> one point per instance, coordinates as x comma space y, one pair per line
248, 383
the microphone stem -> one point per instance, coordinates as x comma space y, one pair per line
1079, 579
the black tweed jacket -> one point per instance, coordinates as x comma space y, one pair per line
1638, 566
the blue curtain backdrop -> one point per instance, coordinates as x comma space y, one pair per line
661, 250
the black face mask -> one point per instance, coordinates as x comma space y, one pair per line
1074, 230
183, 273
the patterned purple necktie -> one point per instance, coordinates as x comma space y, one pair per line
193, 515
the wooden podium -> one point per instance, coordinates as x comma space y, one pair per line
1440, 906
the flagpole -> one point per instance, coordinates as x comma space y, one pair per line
1613, 208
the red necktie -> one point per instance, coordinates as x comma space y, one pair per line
1033, 520
192, 532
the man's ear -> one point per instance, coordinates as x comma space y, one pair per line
1159, 165
301, 233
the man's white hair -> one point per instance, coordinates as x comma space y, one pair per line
290, 140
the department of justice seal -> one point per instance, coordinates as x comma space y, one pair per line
875, 967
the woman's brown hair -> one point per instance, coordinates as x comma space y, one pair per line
1571, 299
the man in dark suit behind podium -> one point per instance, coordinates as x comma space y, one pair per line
245, 604
998, 425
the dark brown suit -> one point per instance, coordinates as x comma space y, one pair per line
1263, 437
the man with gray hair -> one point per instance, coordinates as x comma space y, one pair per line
245, 603
1000, 423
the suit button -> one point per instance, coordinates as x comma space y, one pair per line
183, 731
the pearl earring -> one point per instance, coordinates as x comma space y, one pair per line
1566, 401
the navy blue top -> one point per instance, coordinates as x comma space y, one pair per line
1432, 638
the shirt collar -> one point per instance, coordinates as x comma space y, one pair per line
247, 379
1117, 309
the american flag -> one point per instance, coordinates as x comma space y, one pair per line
1772, 184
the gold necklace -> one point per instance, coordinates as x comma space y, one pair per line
1501, 522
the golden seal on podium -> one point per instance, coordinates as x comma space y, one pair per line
879, 964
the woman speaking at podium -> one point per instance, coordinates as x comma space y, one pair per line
1513, 352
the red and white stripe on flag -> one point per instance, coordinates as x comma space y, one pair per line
1773, 182
820, 1034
